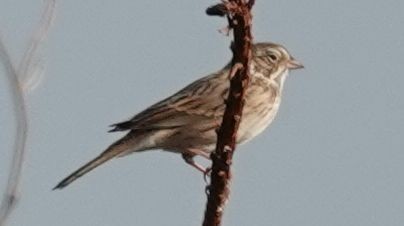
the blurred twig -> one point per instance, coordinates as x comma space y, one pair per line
28, 67
18, 81
238, 13
11, 193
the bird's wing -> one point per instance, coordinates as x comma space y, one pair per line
201, 100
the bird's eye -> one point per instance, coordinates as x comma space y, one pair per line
273, 57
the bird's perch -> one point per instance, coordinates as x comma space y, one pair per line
238, 13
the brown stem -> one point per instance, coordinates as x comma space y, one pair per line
239, 16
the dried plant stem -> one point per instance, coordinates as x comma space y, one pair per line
18, 81
239, 16
27, 68
11, 194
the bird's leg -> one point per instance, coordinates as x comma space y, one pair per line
206, 155
189, 159
199, 152
206, 171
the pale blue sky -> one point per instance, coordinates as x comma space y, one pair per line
334, 155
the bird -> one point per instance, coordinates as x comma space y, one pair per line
186, 122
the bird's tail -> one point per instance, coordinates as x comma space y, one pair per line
124, 144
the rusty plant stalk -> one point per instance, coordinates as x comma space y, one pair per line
239, 16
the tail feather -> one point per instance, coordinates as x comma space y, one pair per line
112, 151
122, 126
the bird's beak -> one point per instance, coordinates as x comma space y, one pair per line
294, 64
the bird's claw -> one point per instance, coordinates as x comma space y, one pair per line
207, 174
207, 188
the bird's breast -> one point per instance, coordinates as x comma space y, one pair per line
261, 105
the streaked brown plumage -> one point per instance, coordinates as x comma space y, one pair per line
186, 121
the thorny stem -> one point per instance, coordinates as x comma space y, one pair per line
239, 16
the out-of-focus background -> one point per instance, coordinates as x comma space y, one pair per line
334, 155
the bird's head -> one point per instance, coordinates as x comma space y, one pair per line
274, 58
